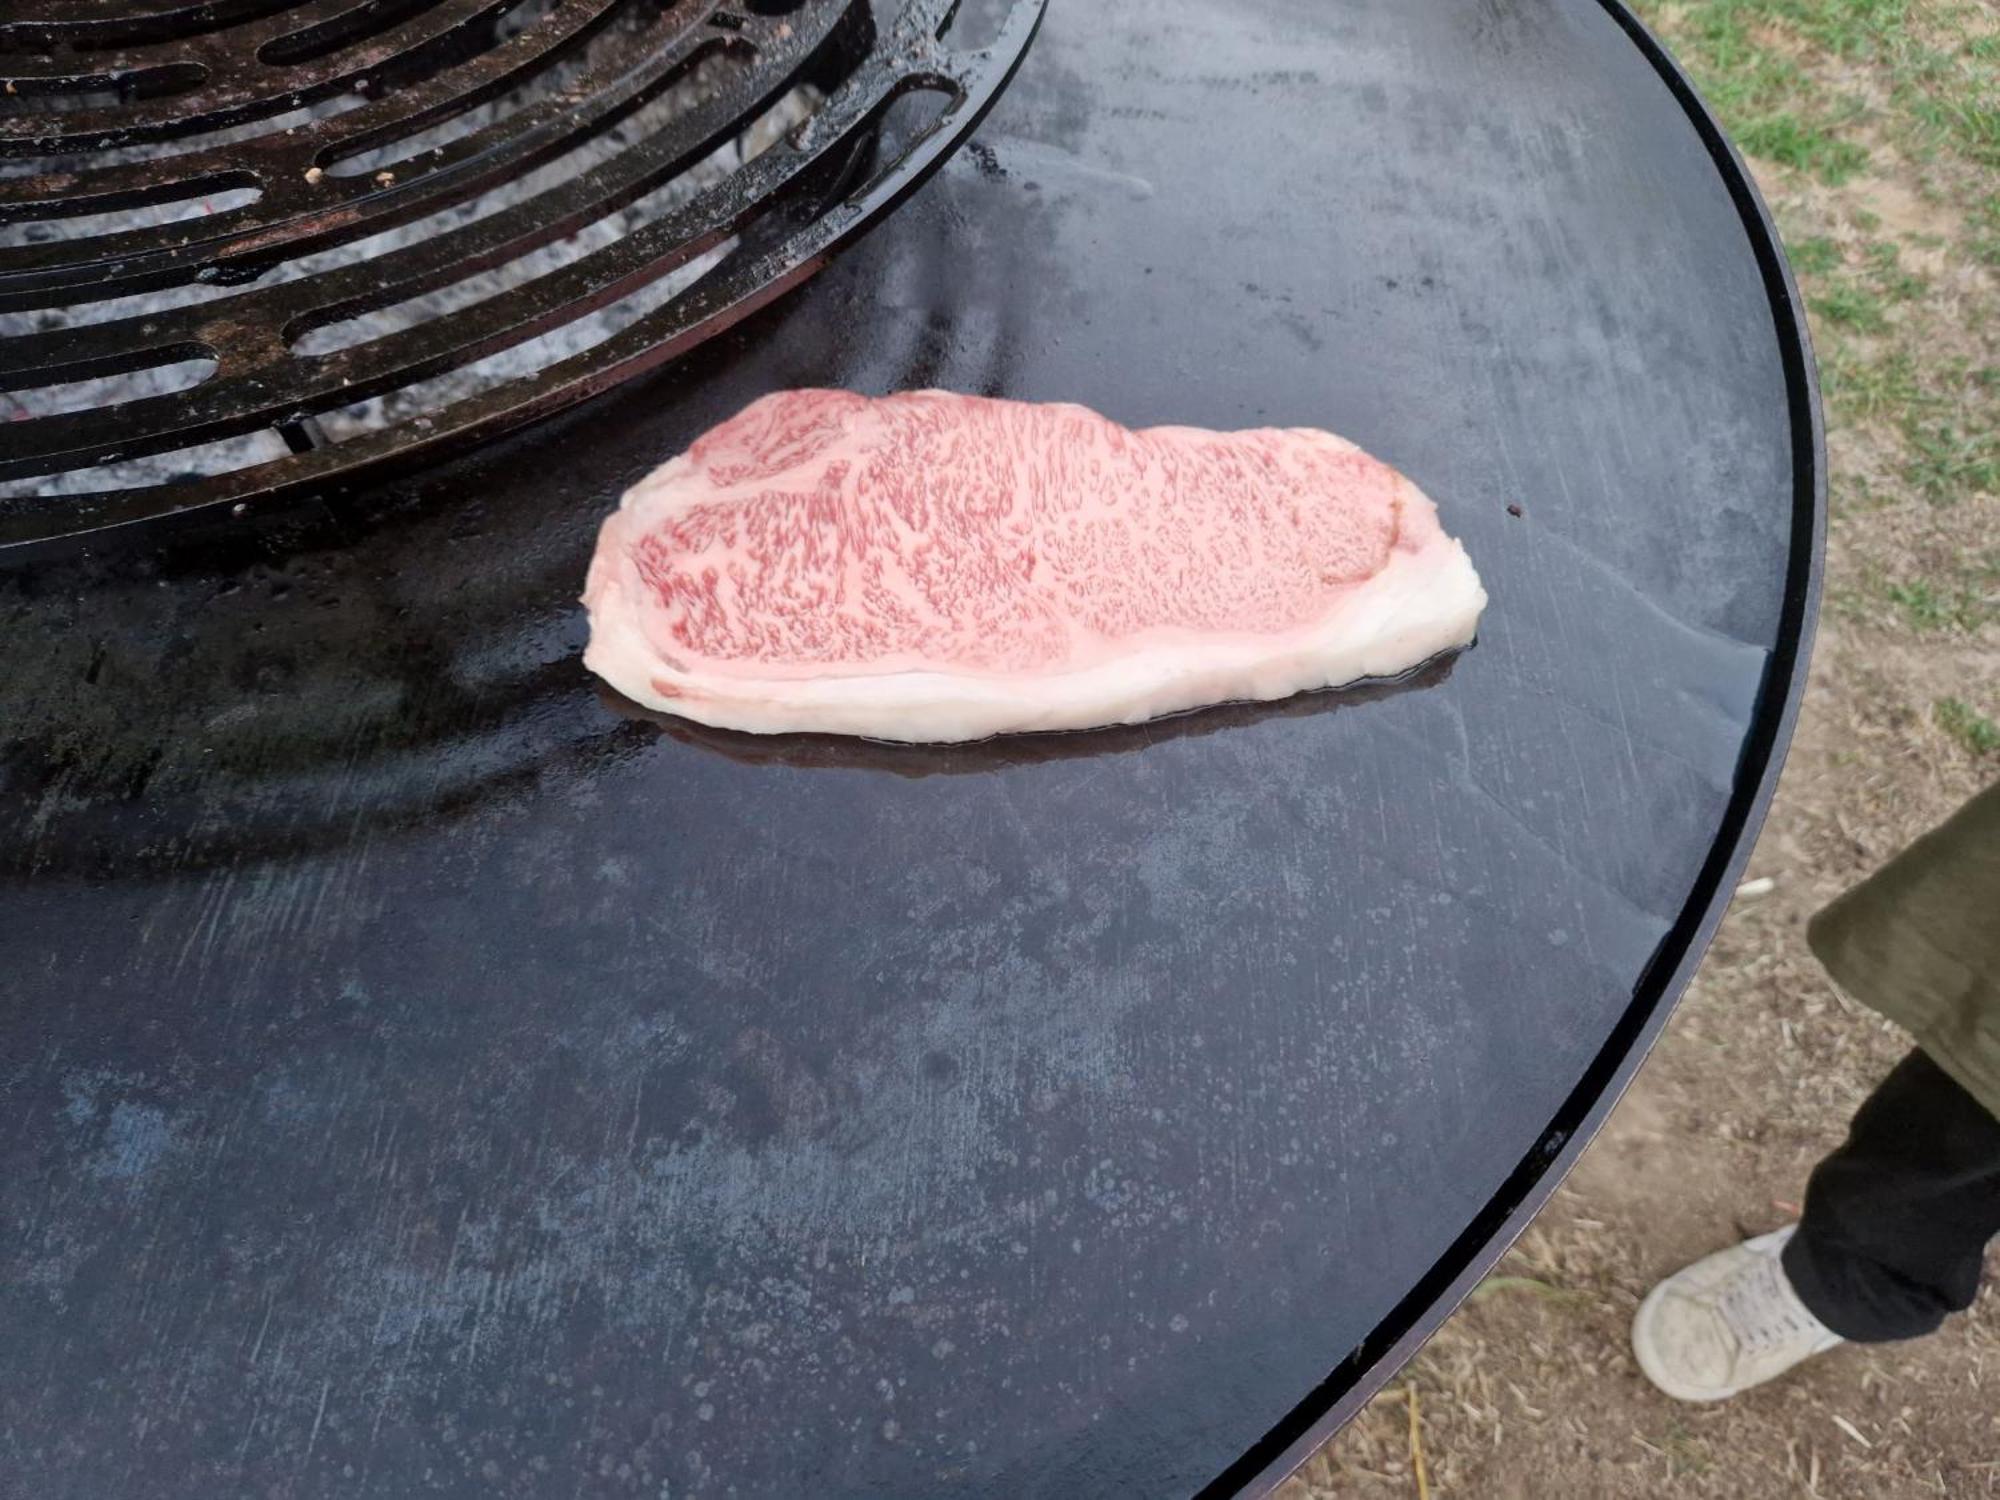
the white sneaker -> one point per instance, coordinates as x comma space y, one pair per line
1728, 1322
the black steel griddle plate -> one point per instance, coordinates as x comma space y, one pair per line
419, 1080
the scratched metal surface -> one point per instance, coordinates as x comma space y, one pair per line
418, 1079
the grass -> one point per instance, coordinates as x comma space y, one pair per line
1968, 726
1972, 125
1815, 255
1534, 1286
1855, 292
1837, 93
1755, 88
1885, 268
1852, 307
1950, 462
1985, 243
1958, 608
1684, 1451
1939, 414
1783, 137
1848, 29
1865, 388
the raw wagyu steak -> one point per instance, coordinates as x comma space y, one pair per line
935, 567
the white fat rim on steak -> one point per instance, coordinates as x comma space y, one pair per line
1420, 605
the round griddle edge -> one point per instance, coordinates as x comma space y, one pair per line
1358, 1378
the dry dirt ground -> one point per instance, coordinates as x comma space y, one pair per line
1874, 129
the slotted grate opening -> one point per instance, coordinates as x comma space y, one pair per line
249, 246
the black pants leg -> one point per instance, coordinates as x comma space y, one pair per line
1896, 1221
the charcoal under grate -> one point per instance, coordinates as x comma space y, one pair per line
252, 245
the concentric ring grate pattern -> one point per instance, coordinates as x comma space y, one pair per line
247, 246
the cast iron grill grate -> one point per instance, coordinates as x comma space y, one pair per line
253, 245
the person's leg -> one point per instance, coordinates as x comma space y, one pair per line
1894, 1233
1897, 1220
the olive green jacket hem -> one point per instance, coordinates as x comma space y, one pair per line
1919, 941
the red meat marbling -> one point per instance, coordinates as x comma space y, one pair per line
935, 567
